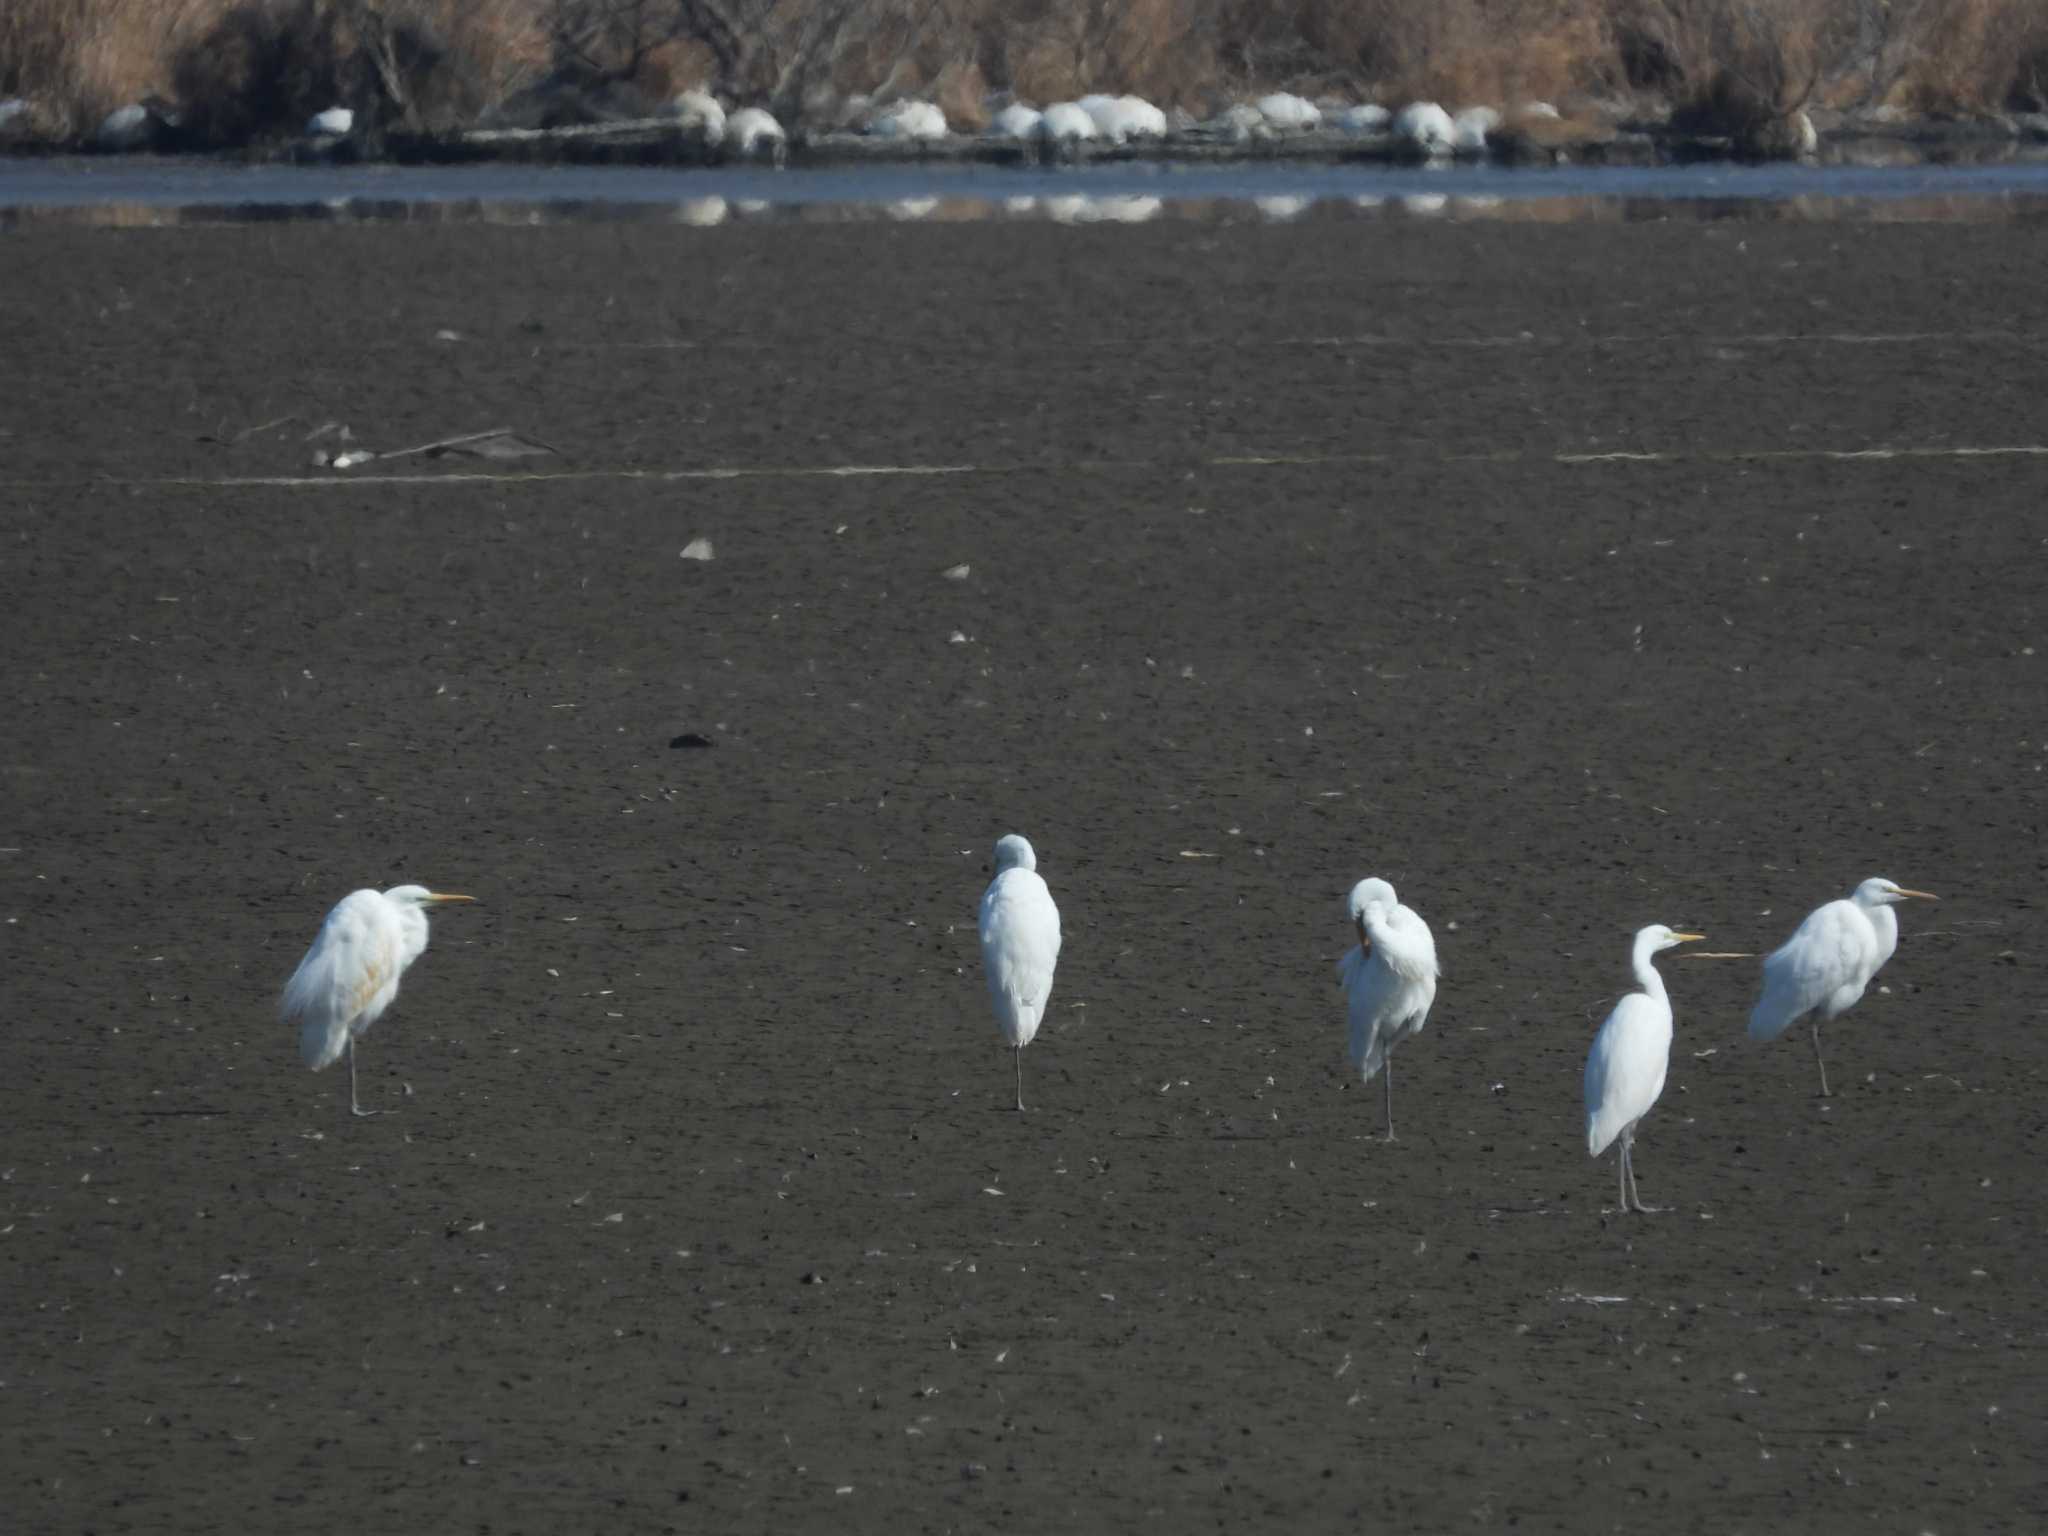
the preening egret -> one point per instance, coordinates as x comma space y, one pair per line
350, 975
1020, 946
753, 131
1824, 967
700, 113
1390, 978
1625, 1069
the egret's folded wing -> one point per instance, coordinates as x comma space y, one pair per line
1624, 1070
1378, 999
354, 958
1408, 947
1826, 952
1020, 936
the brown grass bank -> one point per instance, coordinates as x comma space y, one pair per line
242, 69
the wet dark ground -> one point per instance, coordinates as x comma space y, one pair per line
1293, 554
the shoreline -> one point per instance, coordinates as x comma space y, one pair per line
1842, 139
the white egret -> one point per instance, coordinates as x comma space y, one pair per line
753, 131
1625, 1069
700, 114
1470, 128
1123, 118
1290, 113
350, 975
1427, 127
1066, 122
1368, 118
1020, 946
1390, 978
1015, 121
1824, 967
909, 120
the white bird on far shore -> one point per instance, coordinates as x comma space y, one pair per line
350, 975
1020, 946
1824, 967
1389, 981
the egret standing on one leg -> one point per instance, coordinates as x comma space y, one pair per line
1020, 946
350, 975
1625, 1069
1390, 978
1824, 967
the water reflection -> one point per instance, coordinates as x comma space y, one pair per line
131, 194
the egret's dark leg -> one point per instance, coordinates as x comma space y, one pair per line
1821, 1059
1635, 1194
1018, 1052
1621, 1175
354, 1107
1389, 1070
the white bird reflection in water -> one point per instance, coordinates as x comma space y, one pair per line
1076, 209
702, 212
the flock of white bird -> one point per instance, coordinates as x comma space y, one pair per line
1423, 126
350, 977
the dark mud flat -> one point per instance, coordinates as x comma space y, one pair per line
1305, 550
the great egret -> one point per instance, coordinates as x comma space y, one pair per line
350, 975
753, 131
1427, 127
1015, 121
1824, 967
1123, 118
1369, 118
1020, 946
1065, 123
700, 114
1390, 978
1290, 113
1470, 128
1625, 1069
909, 120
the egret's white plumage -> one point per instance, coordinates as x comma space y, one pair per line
1824, 967
1123, 118
1389, 978
1015, 121
1366, 118
1290, 113
1065, 122
1426, 126
754, 131
1470, 128
1625, 1069
1020, 946
700, 113
909, 120
350, 975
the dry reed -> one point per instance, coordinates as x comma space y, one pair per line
260, 62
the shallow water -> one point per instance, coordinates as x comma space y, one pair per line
143, 191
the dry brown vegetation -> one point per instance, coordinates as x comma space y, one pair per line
241, 68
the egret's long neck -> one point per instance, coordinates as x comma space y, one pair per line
412, 924
1886, 922
1646, 971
